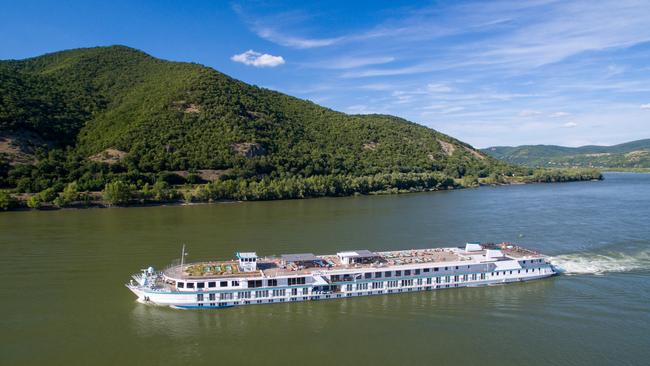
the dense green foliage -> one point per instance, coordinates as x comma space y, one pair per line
635, 154
117, 193
7, 202
564, 175
165, 121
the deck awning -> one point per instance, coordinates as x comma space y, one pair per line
507, 265
364, 253
299, 257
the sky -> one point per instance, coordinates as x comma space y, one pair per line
489, 73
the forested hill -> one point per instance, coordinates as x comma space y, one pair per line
85, 118
634, 154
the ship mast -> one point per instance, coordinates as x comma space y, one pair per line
182, 257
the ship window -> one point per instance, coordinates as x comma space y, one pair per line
456, 267
255, 283
212, 284
199, 297
446, 268
417, 271
436, 269
398, 273
377, 274
407, 272
296, 281
212, 297
388, 274
200, 285
367, 275
426, 270
181, 285
223, 284
190, 285
234, 283
272, 282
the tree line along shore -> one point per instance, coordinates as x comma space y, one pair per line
123, 193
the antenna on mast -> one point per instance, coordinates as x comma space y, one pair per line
183, 254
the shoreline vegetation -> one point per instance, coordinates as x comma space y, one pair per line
119, 193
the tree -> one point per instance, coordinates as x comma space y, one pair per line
117, 193
7, 202
70, 194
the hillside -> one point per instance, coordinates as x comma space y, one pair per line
99, 115
630, 155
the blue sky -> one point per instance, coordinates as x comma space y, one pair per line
488, 73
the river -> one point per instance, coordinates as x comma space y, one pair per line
62, 276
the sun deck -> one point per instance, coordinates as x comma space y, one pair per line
307, 263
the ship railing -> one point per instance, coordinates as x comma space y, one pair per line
509, 246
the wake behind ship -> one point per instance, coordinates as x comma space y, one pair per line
249, 279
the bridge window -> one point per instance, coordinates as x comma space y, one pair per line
212, 284
223, 284
254, 283
190, 285
296, 281
180, 285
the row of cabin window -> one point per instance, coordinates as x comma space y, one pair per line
211, 284
407, 272
292, 281
248, 294
419, 282
251, 284
518, 271
387, 274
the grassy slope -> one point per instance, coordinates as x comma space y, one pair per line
118, 97
634, 154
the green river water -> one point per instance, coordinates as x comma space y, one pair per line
63, 300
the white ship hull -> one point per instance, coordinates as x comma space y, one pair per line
340, 282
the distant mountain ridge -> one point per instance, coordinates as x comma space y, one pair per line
633, 154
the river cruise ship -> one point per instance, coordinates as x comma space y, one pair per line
249, 279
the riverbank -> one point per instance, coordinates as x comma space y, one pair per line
120, 194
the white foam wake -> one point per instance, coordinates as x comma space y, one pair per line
601, 263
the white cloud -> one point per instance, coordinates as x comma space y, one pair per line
439, 88
257, 59
529, 113
559, 114
296, 42
645, 106
570, 125
352, 62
